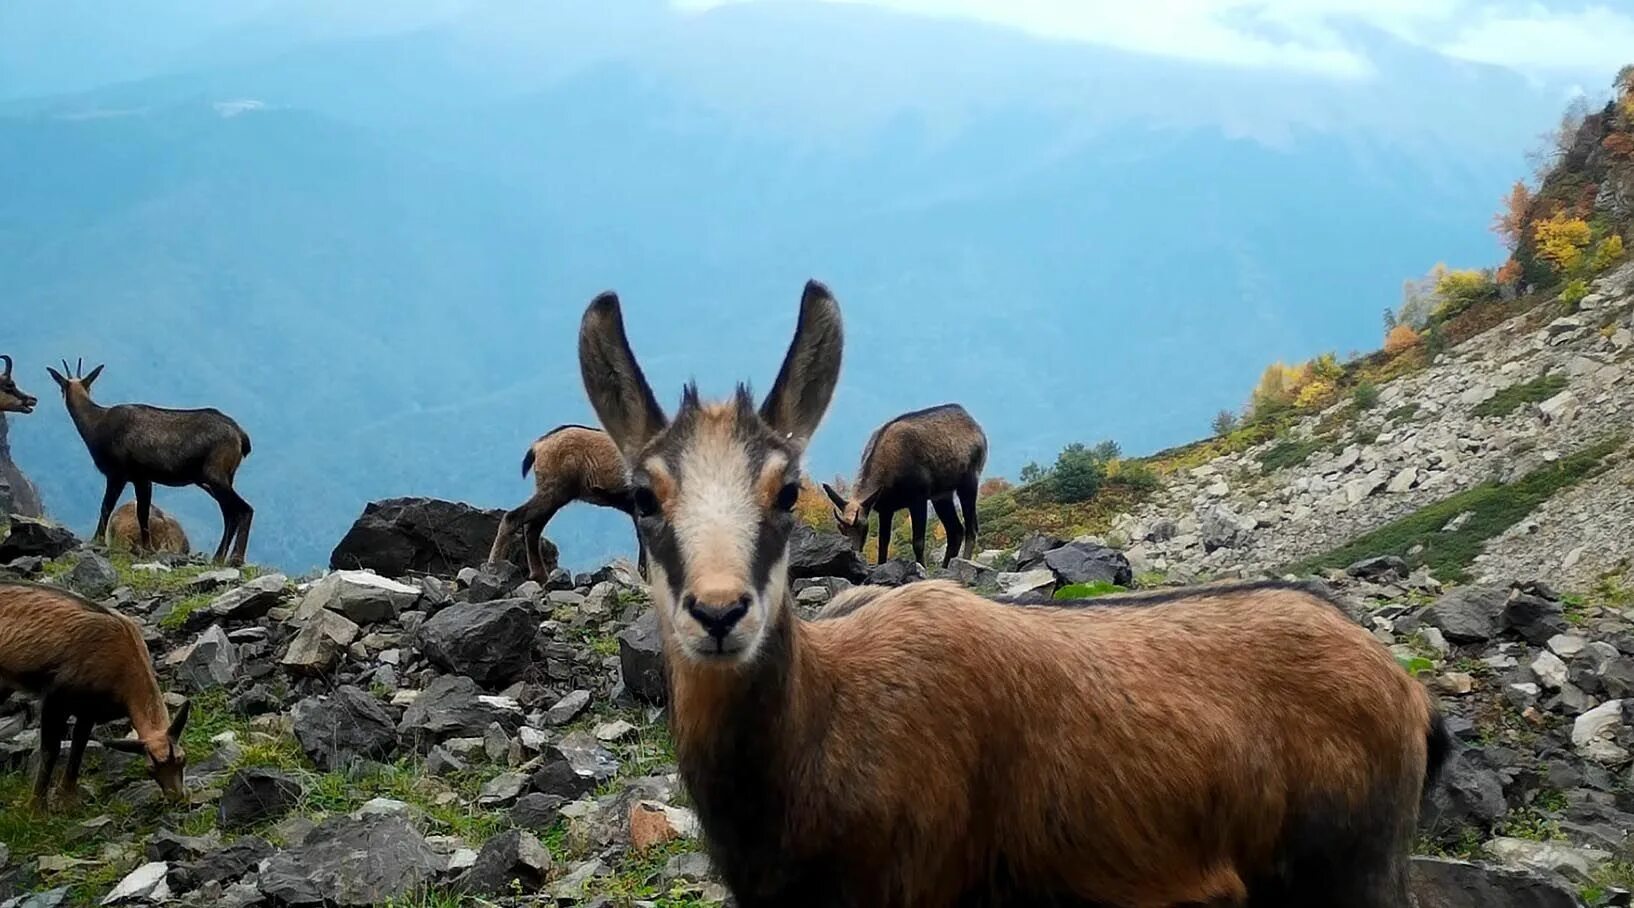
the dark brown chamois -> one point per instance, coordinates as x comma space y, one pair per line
142, 445
924, 747
87, 663
924, 456
569, 463
12, 398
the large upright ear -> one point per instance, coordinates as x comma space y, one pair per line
618, 392
178, 723
836, 497
810, 370
86, 381
57, 377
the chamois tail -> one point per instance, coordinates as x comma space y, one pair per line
527, 463
1438, 749
243, 443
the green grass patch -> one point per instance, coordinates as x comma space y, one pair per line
1088, 590
1514, 397
1402, 413
1495, 507
1288, 453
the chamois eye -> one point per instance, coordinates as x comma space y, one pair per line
787, 496
646, 503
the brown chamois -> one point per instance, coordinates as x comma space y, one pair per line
165, 532
931, 748
569, 463
925, 456
143, 445
88, 663
12, 398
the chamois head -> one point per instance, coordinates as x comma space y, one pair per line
850, 517
74, 380
12, 398
165, 756
715, 488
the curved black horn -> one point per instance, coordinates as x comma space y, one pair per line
67, 370
79, 370
8, 364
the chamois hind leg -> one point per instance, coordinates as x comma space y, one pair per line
916, 513
144, 505
886, 518
246, 516
53, 722
532, 531
68, 790
228, 502
968, 487
1355, 858
949, 516
110, 497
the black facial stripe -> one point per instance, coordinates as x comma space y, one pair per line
665, 551
771, 539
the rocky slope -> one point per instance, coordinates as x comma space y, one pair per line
1498, 408
17, 493
361, 739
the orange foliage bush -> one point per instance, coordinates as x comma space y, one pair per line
994, 485
1401, 337
1619, 145
813, 508
1510, 221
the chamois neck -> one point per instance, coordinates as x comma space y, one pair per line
85, 412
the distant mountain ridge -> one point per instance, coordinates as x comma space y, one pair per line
383, 286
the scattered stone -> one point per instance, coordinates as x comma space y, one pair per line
568, 708
249, 602
1533, 617
1030, 553
343, 728
814, 554
1468, 614
209, 661
1223, 528
1083, 562
31, 538
971, 573
398, 536
502, 790
896, 572
490, 642
1549, 670
1025, 583
1577, 864
453, 706
223, 865
1442, 883
537, 811
363, 597
511, 858
653, 823
352, 863
1379, 569
93, 576
1594, 734
146, 883
616, 730
256, 795
317, 648
641, 659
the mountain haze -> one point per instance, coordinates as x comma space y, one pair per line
371, 243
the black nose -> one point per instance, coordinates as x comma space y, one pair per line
718, 620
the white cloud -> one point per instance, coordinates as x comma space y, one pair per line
1596, 38
1302, 35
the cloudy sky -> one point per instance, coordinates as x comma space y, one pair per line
1552, 40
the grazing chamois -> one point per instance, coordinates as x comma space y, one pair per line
165, 533
925, 456
569, 463
928, 748
12, 398
143, 445
88, 663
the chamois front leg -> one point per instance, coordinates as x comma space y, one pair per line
916, 513
886, 518
110, 498
949, 516
68, 790
53, 722
144, 504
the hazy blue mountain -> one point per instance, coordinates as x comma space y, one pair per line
378, 267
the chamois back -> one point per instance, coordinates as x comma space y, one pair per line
942, 444
577, 462
164, 531
54, 640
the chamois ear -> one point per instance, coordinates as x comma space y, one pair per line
57, 377
178, 722
836, 497
126, 745
86, 381
618, 391
867, 504
811, 369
